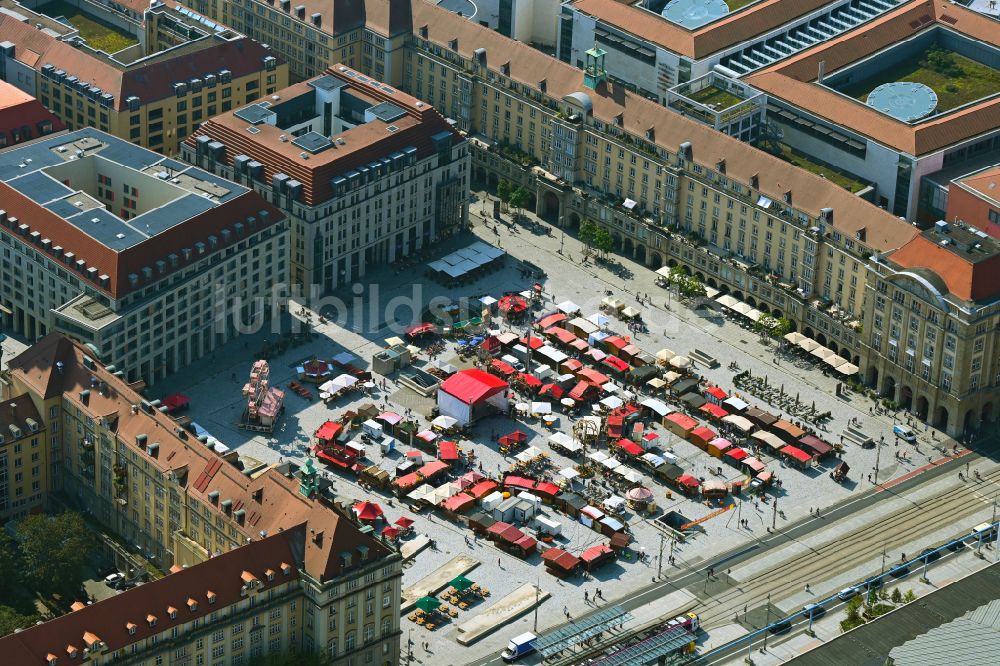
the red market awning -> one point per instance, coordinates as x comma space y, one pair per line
553, 390
530, 381
721, 444
704, 433
502, 367
333, 460
596, 553
512, 304
581, 390
551, 320
432, 468
329, 431
716, 392
418, 330
684, 421
404, 522
526, 544
516, 437
535, 341
518, 482
630, 447
616, 363
561, 334
688, 480
560, 559
407, 481
615, 342
593, 376
713, 410
390, 532
546, 488
175, 401
796, 453
448, 451
483, 488
368, 511
491, 344
738, 454
458, 503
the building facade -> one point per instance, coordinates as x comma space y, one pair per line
150, 261
23, 118
366, 173
269, 546
26, 473
178, 70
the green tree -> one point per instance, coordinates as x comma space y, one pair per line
692, 287
10, 565
519, 199
55, 550
596, 237
909, 596
897, 596
504, 190
11, 620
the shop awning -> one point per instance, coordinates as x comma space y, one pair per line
630, 447
796, 453
448, 451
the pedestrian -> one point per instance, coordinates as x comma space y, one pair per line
500, 566
600, 595
586, 598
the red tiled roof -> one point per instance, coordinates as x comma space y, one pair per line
966, 279
110, 620
793, 80
473, 385
149, 81
18, 110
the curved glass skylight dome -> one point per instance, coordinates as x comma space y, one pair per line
694, 13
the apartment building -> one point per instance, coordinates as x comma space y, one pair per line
974, 199
149, 261
23, 118
260, 562
26, 474
366, 173
671, 190
932, 315
175, 69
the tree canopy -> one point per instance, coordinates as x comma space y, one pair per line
54, 551
596, 237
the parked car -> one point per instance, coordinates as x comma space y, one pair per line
114, 579
780, 627
848, 593
931, 554
899, 570
905, 433
815, 611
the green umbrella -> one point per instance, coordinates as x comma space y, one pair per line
428, 604
461, 583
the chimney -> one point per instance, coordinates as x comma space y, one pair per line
820, 71
826, 215
479, 54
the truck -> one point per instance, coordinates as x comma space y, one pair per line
689, 621
519, 646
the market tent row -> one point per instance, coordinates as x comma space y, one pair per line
475, 259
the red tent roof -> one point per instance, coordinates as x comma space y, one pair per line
526, 543
704, 433
595, 553
616, 363
630, 447
552, 389
561, 334
432, 468
530, 380
502, 367
738, 454
551, 320
683, 420
329, 431
368, 510
593, 376
458, 503
797, 453
483, 488
615, 341
581, 390
561, 559
716, 392
713, 409
573, 364
547, 488
404, 522
518, 482
417, 330
755, 464
688, 480
491, 344
473, 385
517, 436
817, 445
448, 451
535, 341
512, 303
407, 481
175, 401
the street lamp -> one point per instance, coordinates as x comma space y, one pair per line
878, 454
562, 229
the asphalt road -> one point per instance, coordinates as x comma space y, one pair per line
909, 523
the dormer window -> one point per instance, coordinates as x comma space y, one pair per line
172, 612
131, 626
270, 574
192, 605
151, 619
286, 568
71, 651
210, 596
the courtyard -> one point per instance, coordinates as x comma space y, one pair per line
99, 34
722, 526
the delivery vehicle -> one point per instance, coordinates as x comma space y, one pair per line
848, 593
689, 621
519, 646
983, 531
904, 433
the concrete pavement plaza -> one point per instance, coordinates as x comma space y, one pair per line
214, 387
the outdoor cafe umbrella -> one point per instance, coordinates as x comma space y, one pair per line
461, 583
428, 604
368, 511
794, 337
568, 402
680, 362
444, 422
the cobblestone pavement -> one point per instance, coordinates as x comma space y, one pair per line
214, 387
